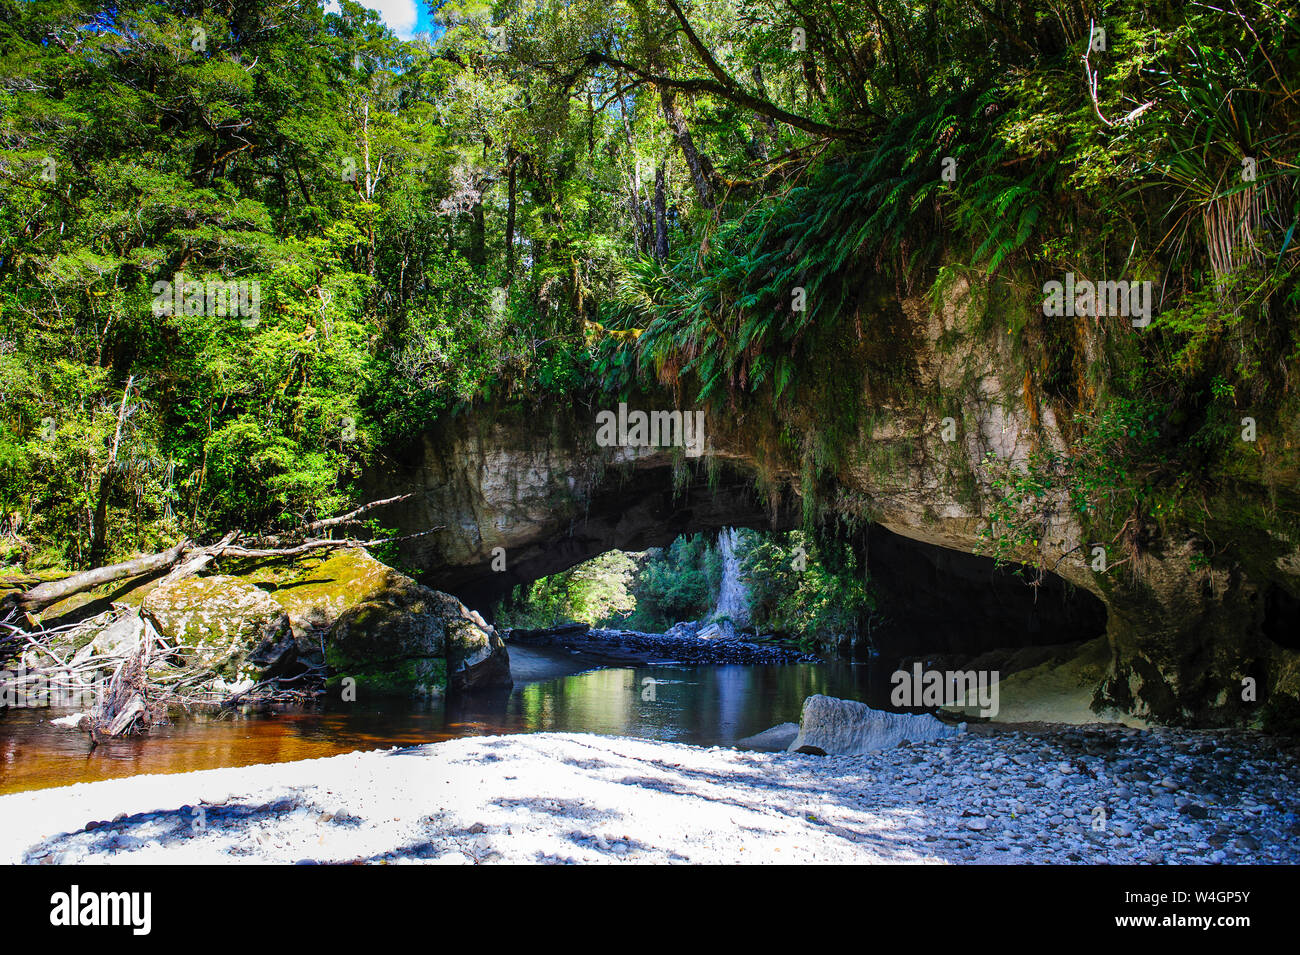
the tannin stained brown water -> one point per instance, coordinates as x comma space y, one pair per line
703, 705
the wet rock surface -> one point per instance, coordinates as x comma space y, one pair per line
631, 647
1093, 795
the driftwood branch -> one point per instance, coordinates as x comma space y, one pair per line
322, 544
1091, 76
200, 559
44, 595
125, 706
351, 516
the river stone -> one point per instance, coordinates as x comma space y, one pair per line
684, 628
847, 728
218, 621
774, 740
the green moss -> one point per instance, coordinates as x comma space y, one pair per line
420, 676
321, 587
218, 621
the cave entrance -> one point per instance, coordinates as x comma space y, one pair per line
864, 594
635, 512
928, 599
1281, 622
941, 601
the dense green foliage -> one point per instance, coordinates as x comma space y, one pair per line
1148, 181
344, 172
816, 591
725, 197
812, 591
648, 592
596, 593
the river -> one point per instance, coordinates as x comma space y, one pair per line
702, 705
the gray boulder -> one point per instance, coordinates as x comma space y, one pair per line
834, 727
119, 638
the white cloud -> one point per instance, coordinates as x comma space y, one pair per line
398, 15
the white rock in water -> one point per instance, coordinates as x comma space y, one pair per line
771, 740
847, 728
711, 632
69, 722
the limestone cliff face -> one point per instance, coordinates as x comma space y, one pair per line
515, 494
521, 492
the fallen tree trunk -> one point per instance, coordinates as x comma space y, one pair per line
196, 559
306, 546
199, 560
47, 594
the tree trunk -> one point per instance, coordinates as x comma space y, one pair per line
661, 215
44, 595
769, 124
478, 238
99, 533
511, 193
702, 174
640, 221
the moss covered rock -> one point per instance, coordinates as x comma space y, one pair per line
216, 621
371, 624
398, 637
315, 592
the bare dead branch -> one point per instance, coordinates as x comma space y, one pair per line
351, 516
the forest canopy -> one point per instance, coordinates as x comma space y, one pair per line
557, 198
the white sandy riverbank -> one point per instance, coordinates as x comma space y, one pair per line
579, 798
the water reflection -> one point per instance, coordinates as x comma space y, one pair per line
704, 705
